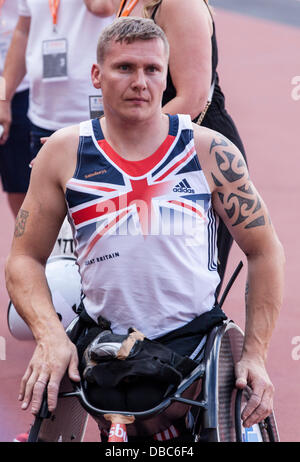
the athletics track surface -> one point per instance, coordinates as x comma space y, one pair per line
259, 59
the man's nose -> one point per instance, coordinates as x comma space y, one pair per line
139, 80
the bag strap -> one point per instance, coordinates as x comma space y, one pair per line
210, 95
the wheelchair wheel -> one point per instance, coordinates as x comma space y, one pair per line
229, 352
265, 431
222, 420
66, 424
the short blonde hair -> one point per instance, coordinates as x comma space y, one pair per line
129, 29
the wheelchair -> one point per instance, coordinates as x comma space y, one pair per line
216, 409
206, 402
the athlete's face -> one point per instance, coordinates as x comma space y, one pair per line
132, 78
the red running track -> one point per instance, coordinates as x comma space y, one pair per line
258, 61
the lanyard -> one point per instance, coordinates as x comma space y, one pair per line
128, 9
1, 5
54, 4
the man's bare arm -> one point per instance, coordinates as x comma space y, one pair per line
238, 203
36, 229
245, 214
14, 71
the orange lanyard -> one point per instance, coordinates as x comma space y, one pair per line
54, 4
1, 5
128, 9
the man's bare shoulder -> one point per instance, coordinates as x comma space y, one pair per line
207, 139
64, 140
67, 136
218, 156
235, 198
58, 155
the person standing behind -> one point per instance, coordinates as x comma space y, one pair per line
54, 41
193, 82
15, 153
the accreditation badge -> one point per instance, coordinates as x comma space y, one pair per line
96, 107
55, 63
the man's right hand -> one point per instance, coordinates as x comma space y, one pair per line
5, 120
51, 359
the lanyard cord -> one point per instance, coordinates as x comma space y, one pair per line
54, 4
1, 5
126, 11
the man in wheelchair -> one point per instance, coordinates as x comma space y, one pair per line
143, 191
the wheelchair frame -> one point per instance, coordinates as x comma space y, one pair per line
217, 409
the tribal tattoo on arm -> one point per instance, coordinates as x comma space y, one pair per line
238, 196
21, 222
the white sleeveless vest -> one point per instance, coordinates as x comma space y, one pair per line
144, 231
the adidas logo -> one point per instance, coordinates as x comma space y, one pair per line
183, 187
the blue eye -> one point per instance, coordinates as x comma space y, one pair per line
124, 67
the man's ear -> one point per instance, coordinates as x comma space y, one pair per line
96, 76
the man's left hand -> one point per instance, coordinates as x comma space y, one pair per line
252, 372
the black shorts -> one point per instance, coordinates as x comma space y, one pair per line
15, 155
36, 133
